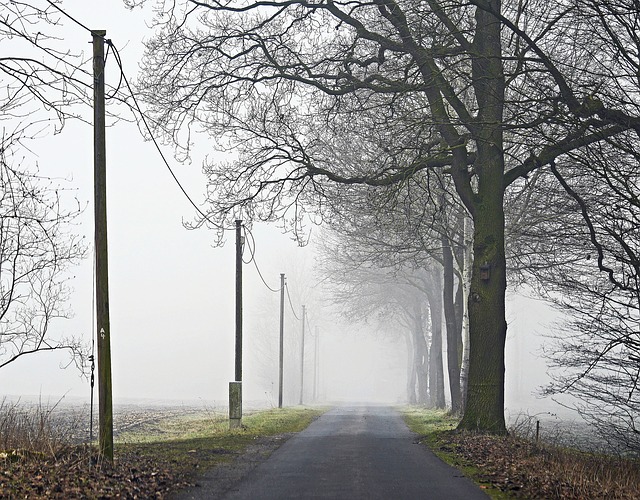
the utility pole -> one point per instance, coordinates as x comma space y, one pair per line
239, 300
235, 388
304, 316
316, 368
281, 358
105, 418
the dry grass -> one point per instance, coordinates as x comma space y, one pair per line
518, 467
32, 429
583, 475
40, 457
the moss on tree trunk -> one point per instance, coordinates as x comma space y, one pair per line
484, 410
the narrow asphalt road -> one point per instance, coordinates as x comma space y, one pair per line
362, 452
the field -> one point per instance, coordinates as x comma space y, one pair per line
159, 449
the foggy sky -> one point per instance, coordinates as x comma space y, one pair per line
172, 292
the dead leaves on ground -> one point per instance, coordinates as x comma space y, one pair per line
75, 474
516, 467
524, 470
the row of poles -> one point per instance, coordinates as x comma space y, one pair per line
235, 387
105, 402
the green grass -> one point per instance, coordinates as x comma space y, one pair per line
431, 425
196, 442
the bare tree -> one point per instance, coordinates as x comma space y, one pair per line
42, 81
391, 300
488, 93
383, 252
37, 250
576, 230
408, 242
588, 266
42, 78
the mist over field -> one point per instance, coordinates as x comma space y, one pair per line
173, 344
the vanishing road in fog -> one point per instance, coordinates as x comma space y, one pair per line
353, 453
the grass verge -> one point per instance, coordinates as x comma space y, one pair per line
161, 457
514, 467
435, 427
194, 442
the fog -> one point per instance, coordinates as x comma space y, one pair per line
172, 290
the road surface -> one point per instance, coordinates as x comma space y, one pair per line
362, 452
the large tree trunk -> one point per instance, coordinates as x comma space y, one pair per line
466, 282
411, 369
459, 310
484, 410
422, 356
453, 367
436, 370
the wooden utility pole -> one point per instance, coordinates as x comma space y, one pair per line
238, 301
304, 317
235, 388
281, 358
105, 419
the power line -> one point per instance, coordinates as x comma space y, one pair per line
307, 319
123, 77
253, 259
155, 142
286, 286
252, 250
248, 234
69, 16
117, 89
